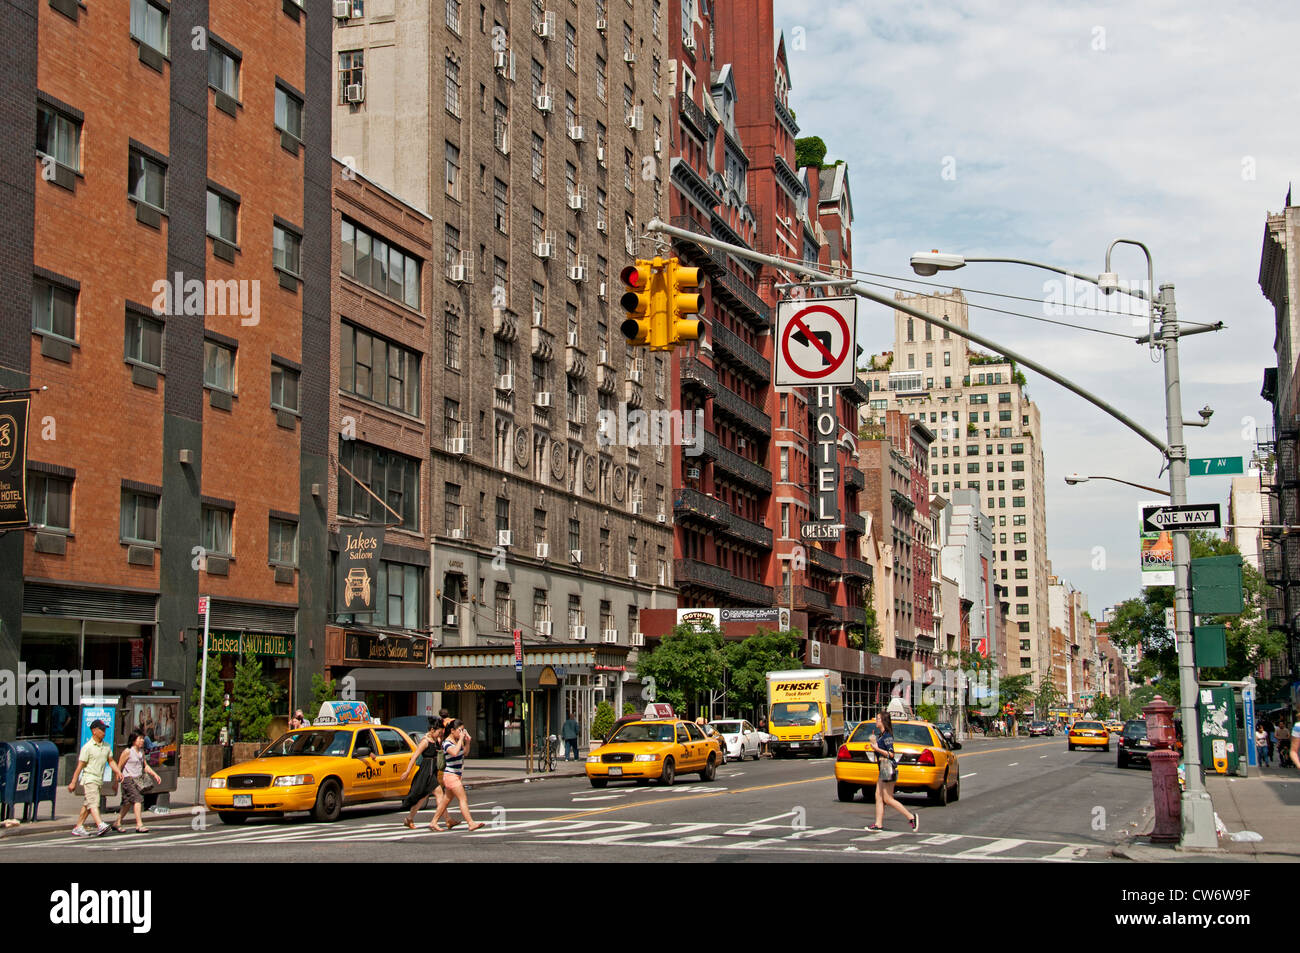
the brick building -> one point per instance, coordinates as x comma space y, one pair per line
157, 283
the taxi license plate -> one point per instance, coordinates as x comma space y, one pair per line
614, 772
794, 744
1145, 744
243, 800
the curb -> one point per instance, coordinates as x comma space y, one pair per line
182, 811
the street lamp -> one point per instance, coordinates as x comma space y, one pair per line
1075, 478
1197, 810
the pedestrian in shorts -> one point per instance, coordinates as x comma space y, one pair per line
455, 745
133, 766
95, 755
882, 742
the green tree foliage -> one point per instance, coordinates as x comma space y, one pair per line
214, 712
686, 663
1046, 698
1102, 705
252, 699
322, 690
749, 660
1014, 690
809, 150
603, 720
629, 708
927, 711
1141, 621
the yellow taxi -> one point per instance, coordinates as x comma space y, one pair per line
1114, 727
925, 763
342, 759
1089, 734
654, 749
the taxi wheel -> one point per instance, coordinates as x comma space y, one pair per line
1105, 748
956, 791
230, 817
669, 772
1071, 747
940, 796
598, 782
869, 793
328, 802
710, 770
845, 791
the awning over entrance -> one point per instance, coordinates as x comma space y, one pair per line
460, 679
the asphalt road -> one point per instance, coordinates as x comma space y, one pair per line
1021, 799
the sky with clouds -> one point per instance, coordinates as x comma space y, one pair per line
1068, 126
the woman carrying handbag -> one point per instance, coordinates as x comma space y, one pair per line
137, 778
883, 744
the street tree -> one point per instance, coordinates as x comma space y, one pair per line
252, 698
687, 662
214, 711
750, 659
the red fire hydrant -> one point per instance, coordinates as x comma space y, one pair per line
1164, 771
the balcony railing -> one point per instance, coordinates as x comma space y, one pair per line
736, 465
755, 418
693, 114
710, 259
695, 573
824, 560
696, 374
748, 530
744, 296
855, 615
728, 341
688, 502
809, 599
855, 523
854, 479
858, 391
857, 567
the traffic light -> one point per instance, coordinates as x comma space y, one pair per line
636, 302
683, 301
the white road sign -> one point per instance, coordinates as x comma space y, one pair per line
816, 340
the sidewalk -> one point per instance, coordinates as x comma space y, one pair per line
1267, 804
479, 773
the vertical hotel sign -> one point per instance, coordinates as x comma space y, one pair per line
13, 461
359, 568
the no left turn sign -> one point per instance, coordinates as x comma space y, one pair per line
815, 341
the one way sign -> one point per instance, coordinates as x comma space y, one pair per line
1185, 516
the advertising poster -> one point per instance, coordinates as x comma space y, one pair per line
91, 712
13, 461
1156, 552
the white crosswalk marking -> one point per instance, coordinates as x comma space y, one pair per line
993, 847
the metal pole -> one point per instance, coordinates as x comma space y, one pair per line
203, 700
655, 225
1198, 811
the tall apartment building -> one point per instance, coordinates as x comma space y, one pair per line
534, 135
988, 438
1080, 662
157, 282
967, 556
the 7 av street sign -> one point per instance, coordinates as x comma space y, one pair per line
1214, 466
1159, 519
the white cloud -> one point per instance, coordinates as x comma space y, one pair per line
1060, 148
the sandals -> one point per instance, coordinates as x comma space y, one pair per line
407, 822
451, 823
475, 826
438, 827
142, 830
118, 829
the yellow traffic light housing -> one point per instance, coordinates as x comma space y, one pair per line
683, 301
636, 302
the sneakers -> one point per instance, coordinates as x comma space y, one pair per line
102, 829
874, 829
80, 831
912, 822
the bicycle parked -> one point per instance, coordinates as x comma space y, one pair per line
547, 753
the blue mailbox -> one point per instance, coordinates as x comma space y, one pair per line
46, 776
24, 774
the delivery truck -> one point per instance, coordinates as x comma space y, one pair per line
805, 712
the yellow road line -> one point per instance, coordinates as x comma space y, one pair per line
689, 797
976, 754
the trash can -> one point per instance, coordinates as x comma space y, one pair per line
24, 777
47, 776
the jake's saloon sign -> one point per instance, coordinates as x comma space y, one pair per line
13, 461
359, 548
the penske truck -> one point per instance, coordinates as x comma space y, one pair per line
805, 712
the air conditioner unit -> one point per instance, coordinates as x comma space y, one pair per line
343, 9
506, 382
503, 537
537, 319
661, 518
638, 639
456, 445
629, 56
635, 375
456, 534
688, 42
601, 24
545, 27
450, 620
609, 636
631, 570
602, 226
740, 443
542, 399
501, 61
545, 628
576, 201
604, 354
659, 145
578, 273
354, 93
502, 137
692, 473
636, 507
543, 249
456, 273
544, 103
572, 339
580, 633
600, 156
636, 118
575, 556
543, 550
577, 134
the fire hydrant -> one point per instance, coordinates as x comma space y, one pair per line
1164, 771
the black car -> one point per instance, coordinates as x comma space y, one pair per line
949, 735
1133, 743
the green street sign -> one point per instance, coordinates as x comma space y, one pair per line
1214, 466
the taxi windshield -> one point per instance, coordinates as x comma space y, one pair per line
629, 734
794, 714
319, 743
727, 727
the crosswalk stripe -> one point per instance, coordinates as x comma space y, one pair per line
993, 847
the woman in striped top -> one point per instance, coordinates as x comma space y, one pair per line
455, 745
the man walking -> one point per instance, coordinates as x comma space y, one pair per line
95, 755
569, 732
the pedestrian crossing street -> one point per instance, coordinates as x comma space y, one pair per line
565, 826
